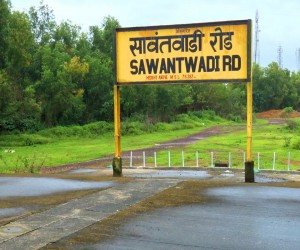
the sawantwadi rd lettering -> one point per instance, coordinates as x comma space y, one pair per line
209, 52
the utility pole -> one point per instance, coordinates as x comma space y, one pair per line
279, 51
298, 58
257, 30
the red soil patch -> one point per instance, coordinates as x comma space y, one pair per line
277, 114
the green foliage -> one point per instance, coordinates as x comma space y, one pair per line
287, 141
18, 108
296, 144
181, 122
292, 124
288, 110
53, 74
275, 88
20, 44
42, 23
23, 140
4, 31
88, 130
32, 164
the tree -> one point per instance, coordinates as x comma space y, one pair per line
67, 34
98, 86
42, 23
109, 26
5, 6
20, 43
272, 87
18, 108
77, 69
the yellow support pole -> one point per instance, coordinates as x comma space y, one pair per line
117, 121
249, 121
117, 161
249, 164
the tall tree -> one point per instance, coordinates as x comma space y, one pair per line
67, 34
5, 7
20, 44
109, 26
42, 23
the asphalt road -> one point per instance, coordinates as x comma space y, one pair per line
239, 218
163, 210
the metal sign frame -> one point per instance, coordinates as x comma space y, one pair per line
249, 164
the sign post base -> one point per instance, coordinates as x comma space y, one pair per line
249, 171
117, 167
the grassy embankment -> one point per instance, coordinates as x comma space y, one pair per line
61, 145
281, 139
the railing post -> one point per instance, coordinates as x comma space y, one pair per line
197, 157
169, 159
212, 159
130, 164
289, 161
229, 159
144, 159
274, 160
182, 158
155, 160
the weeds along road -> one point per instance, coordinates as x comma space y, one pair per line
172, 144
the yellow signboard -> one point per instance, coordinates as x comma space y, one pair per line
205, 52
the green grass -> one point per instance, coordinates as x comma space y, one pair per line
62, 145
266, 141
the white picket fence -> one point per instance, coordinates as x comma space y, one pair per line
265, 162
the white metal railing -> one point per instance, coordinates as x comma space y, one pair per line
232, 160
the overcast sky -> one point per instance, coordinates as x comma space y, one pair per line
278, 19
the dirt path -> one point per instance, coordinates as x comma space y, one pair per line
172, 144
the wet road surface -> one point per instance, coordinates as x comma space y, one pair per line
35, 186
228, 214
239, 218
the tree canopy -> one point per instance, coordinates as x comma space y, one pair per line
55, 74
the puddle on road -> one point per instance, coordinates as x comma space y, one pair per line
171, 174
82, 171
157, 173
265, 179
227, 175
6, 212
36, 186
262, 194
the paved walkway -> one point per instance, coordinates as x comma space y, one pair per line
38, 230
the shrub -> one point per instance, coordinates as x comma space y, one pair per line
286, 111
92, 129
161, 126
292, 125
131, 128
287, 141
235, 118
296, 144
99, 128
